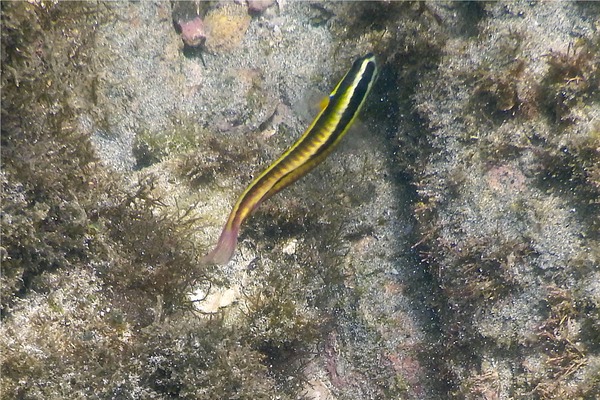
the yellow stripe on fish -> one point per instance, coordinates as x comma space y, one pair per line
317, 142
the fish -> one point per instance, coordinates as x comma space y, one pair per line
337, 114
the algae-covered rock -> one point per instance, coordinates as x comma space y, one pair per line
225, 27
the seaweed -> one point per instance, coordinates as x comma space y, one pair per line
96, 269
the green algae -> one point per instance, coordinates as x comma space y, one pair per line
96, 271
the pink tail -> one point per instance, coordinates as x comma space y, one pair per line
222, 253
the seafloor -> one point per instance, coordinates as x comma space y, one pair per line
449, 248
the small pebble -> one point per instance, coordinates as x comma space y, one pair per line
192, 32
258, 6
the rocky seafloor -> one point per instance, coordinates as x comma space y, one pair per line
449, 248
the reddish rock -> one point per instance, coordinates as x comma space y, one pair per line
192, 31
258, 6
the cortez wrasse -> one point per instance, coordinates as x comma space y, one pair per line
315, 144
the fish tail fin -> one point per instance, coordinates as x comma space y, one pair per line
223, 252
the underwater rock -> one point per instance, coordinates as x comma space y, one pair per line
258, 6
192, 32
225, 27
